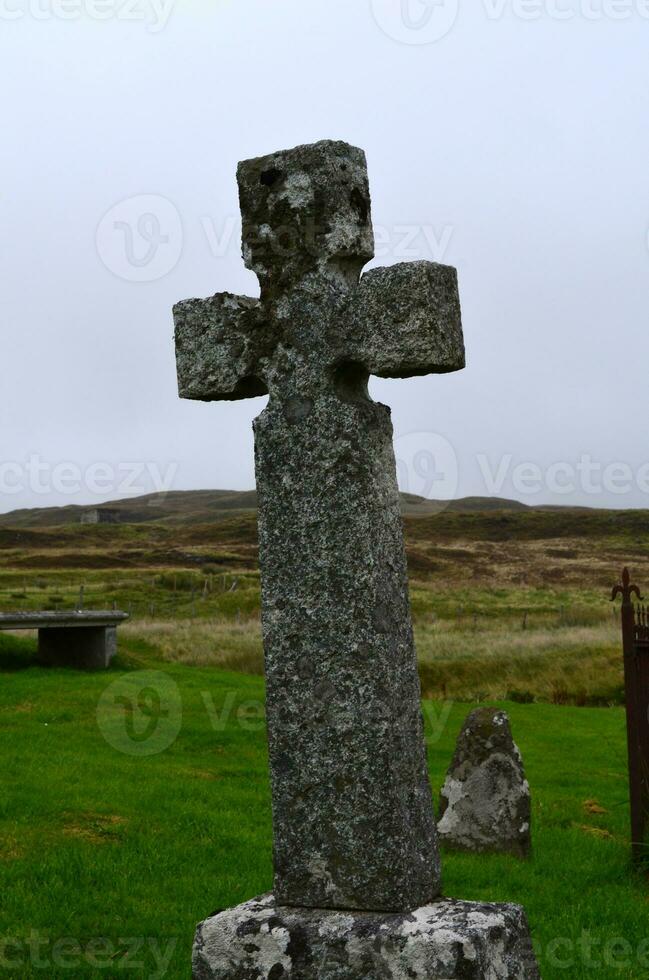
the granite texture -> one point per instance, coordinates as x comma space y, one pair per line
218, 347
442, 941
352, 805
353, 817
485, 802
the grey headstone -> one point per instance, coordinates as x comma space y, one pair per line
353, 822
485, 803
353, 816
465, 940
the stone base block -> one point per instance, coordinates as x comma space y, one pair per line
443, 941
82, 647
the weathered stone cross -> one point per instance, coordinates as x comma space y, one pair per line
352, 808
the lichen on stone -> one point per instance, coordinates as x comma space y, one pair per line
485, 801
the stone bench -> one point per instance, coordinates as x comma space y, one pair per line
85, 639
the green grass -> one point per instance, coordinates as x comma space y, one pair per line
98, 842
559, 644
574, 659
145, 594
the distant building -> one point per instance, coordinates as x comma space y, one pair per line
100, 515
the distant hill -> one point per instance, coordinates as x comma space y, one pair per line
412, 506
470, 541
208, 506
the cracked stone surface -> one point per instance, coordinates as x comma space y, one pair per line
442, 941
485, 802
353, 819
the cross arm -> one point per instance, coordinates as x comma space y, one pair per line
405, 320
218, 348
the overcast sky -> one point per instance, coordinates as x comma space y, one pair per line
507, 139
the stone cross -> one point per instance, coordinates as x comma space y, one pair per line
352, 809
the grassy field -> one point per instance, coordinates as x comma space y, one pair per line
507, 604
519, 642
136, 803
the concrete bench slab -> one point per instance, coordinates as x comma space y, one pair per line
86, 639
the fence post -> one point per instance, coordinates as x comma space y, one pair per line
636, 716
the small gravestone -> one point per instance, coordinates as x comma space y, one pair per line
485, 803
353, 821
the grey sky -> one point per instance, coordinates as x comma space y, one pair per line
514, 147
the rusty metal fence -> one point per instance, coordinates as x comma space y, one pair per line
635, 645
